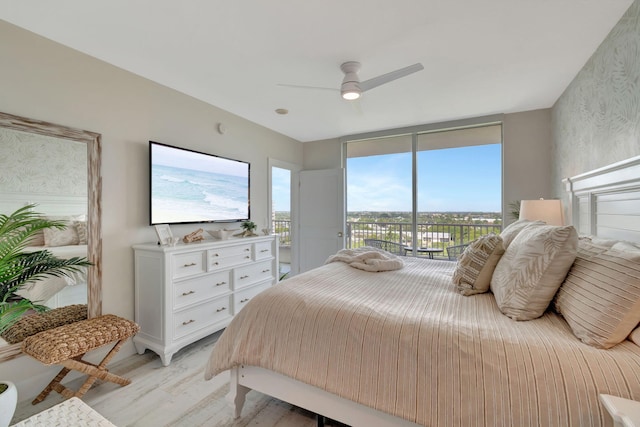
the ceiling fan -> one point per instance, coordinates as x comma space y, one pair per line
351, 87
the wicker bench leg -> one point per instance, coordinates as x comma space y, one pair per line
93, 371
44, 393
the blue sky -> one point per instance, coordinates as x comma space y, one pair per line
281, 189
454, 179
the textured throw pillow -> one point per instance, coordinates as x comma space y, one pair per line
476, 264
600, 298
81, 230
37, 239
532, 269
60, 237
512, 230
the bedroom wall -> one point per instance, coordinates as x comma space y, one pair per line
42, 165
596, 121
47, 81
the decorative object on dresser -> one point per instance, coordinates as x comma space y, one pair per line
184, 293
67, 344
221, 234
248, 227
195, 236
165, 237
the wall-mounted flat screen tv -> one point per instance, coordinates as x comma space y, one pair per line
191, 187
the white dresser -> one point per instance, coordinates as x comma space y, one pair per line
188, 291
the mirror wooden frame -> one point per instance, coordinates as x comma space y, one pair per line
94, 194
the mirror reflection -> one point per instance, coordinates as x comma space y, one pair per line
57, 169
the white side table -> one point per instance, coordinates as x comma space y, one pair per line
625, 412
71, 412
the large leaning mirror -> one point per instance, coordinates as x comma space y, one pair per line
65, 182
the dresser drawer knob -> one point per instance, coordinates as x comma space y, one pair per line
188, 293
221, 283
244, 300
187, 322
216, 254
190, 265
247, 250
221, 309
216, 263
244, 277
247, 257
266, 271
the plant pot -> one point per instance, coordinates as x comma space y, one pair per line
8, 401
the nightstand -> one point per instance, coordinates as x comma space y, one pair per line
625, 412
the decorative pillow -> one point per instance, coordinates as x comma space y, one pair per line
634, 337
37, 239
38, 322
600, 298
532, 269
81, 230
66, 236
476, 264
61, 237
512, 230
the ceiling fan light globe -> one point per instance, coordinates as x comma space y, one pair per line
350, 95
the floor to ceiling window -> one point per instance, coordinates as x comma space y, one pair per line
422, 192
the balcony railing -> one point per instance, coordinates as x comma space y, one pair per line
429, 235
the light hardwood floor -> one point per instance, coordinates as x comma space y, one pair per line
176, 395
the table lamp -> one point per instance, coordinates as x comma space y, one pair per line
549, 211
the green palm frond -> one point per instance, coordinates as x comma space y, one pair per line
12, 311
19, 268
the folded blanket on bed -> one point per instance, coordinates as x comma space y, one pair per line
368, 259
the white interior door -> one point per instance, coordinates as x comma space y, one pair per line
322, 216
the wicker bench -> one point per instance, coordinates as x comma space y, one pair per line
66, 345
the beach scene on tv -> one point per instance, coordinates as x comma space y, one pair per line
188, 186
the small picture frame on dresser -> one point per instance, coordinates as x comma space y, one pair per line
165, 237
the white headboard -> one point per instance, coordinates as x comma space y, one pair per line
47, 204
606, 202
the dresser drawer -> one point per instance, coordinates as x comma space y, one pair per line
250, 274
201, 316
241, 298
262, 250
228, 257
188, 264
194, 290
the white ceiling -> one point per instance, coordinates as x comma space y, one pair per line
480, 57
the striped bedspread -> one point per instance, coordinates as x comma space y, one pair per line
405, 343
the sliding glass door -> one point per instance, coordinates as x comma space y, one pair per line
425, 191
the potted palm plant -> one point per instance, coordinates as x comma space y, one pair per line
248, 227
8, 401
19, 267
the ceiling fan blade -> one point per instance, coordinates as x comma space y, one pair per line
308, 87
389, 77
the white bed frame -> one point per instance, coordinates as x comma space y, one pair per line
604, 203
46, 204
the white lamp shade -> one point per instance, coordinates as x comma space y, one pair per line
549, 211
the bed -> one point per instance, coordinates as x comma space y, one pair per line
403, 348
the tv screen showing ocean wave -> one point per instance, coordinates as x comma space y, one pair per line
195, 187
